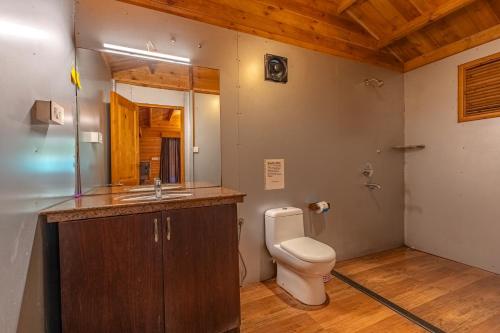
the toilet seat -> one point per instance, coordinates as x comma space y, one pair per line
308, 249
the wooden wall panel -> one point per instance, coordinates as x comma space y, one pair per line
206, 80
150, 138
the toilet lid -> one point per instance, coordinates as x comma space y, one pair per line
308, 249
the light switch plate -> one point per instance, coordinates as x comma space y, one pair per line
196, 149
56, 113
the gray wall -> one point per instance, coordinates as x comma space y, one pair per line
207, 162
37, 160
452, 187
93, 101
324, 122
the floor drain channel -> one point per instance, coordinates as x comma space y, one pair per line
396, 308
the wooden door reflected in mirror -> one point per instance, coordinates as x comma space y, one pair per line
147, 142
124, 125
161, 143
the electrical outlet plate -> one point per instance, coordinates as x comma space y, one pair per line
91, 137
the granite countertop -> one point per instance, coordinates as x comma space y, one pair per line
116, 189
102, 204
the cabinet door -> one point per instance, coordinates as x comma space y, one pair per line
111, 275
201, 270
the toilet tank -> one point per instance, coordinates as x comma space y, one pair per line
283, 224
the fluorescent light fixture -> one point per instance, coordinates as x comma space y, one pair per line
11, 29
145, 57
123, 50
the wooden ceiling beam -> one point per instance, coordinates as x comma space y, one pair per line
227, 17
169, 114
394, 53
427, 18
266, 17
320, 10
372, 33
245, 11
254, 15
421, 5
323, 5
363, 25
495, 10
345, 5
479, 38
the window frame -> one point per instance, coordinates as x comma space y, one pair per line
462, 70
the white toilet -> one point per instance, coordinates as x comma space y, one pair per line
302, 261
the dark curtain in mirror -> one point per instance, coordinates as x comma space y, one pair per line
170, 160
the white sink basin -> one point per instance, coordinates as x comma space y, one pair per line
165, 196
151, 188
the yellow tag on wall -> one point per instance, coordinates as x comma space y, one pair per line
75, 78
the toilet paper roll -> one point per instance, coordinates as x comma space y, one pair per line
320, 207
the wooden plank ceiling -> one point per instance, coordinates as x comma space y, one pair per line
398, 34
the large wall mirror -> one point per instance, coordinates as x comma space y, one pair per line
141, 119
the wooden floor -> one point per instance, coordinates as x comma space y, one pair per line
450, 295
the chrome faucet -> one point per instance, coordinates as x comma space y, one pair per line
158, 188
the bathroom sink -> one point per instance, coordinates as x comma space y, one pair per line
165, 196
151, 188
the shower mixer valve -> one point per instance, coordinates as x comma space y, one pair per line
368, 171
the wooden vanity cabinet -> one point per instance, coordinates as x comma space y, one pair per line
201, 269
172, 271
111, 275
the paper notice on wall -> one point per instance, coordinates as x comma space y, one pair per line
274, 173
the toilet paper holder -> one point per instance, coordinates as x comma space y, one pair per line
320, 207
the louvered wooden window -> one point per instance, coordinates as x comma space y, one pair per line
479, 89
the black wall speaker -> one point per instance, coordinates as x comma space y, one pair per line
276, 68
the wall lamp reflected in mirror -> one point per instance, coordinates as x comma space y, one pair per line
143, 54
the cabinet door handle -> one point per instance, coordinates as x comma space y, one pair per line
168, 228
156, 230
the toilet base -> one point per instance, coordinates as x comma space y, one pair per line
309, 290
